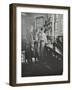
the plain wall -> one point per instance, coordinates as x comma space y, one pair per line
4, 45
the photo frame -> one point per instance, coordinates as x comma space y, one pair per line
39, 44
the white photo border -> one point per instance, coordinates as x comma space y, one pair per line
39, 79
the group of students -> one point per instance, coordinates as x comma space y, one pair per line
35, 52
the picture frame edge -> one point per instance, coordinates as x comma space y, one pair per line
12, 45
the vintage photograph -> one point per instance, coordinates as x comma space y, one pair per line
41, 44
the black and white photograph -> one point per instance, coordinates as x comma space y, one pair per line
41, 44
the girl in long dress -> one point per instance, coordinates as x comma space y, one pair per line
43, 41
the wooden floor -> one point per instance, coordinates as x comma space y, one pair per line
39, 69
51, 65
